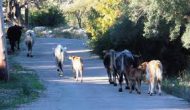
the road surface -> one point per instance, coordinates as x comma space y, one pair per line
94, 93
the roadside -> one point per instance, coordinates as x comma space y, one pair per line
23, 87
178, 86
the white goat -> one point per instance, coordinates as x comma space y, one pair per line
59, 54
29, 41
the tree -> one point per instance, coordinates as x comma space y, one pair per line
103, 15
3, 56
14, 8
78, 9
14, 11
154, 11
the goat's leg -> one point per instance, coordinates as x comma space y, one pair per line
120, 82
130, 86
138, 86
151, 87
12, 43
109, 76
18, 47
127, 82
114, 78
77, 74
81, 77
159, 87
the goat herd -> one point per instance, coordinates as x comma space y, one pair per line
119, 65
123, 64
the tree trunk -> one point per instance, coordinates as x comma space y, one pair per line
9, 15
79, 20
3, 53
26, 15
18, 14
14, 12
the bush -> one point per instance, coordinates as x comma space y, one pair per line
47, 16
23, 86
178, 86
127, 35
121, 36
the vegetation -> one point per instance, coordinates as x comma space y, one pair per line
152, 28
76, 11
49, 16
155, 29
22, 87
178, 86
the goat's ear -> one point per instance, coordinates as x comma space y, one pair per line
137, 56
104, 51
70, 57
65, 48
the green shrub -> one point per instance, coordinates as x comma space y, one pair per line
23, 87
47, 16
178, 86
127, 35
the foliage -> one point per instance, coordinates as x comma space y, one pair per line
185, 38
178, 86
126, 34
102, 16
77, 11
156, 29
172, 11
47, 16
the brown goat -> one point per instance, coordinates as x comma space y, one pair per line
135, 76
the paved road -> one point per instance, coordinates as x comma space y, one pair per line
94, 93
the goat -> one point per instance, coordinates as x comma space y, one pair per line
77, 66
59, 54
14, 35
29, 41
154, 70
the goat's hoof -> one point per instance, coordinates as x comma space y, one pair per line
133, 88
138, 92
120, 90
115, 84
151, 94
127, 87
111, 82
160, 94
136, 89
27, 55
57, 69
130, 92
31, 55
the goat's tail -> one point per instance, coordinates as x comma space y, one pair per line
159, 70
